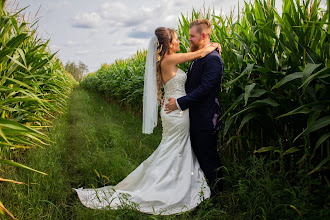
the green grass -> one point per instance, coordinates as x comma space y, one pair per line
97, 143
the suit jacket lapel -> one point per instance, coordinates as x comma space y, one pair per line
190, 67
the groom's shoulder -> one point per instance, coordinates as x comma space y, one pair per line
214, 55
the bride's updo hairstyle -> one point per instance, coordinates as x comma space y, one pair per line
164, 36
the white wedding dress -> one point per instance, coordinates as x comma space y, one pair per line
169, 181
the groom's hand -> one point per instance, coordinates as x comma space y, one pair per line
171, 105
163, 101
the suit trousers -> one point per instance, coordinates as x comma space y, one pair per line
204, 145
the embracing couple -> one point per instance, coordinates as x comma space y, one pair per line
185, 168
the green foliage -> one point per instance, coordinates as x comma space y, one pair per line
33, 87
275, 94
267, 189
121, 81
76, 70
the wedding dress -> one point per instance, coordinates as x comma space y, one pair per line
169, 181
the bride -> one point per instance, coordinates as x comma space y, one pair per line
169, 181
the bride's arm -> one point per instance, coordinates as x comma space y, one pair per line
179, 58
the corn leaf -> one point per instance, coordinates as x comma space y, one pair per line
15, 164
322, 122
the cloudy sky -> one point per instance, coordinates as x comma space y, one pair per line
101, 31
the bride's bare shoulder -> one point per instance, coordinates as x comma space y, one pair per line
169, 57
168, 61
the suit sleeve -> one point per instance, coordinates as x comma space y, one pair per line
211, 77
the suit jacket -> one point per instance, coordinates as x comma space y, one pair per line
203, 88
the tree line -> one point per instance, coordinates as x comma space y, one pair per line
76, 70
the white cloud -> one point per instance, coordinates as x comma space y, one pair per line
55, 6
139, 22
113, 11
82, 52
77, 43
87, 20
181, 3
129, 42
61, 4
117, 14
141, 32
71, 43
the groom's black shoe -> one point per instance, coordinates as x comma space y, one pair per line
215, 199
217, 187
214, 192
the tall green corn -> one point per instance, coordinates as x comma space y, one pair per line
274, 96
120, 81
33, 88
277, 67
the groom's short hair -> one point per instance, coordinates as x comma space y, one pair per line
202, 25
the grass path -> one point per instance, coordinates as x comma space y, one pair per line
95, 144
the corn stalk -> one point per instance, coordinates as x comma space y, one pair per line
33, 87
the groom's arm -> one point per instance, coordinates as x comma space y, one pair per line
213, 71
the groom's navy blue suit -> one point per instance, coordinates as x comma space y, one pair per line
202, 99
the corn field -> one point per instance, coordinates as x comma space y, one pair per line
34, 87
121, 81
275, 94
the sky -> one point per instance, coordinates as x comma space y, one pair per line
102, 31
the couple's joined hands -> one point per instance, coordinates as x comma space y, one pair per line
170, 106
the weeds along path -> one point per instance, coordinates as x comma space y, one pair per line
95, 144
104, 143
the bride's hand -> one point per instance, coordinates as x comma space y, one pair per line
217, 46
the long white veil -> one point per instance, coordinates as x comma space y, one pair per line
150, 104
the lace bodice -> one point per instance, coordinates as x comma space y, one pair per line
175, 87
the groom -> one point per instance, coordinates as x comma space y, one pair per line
202, 99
